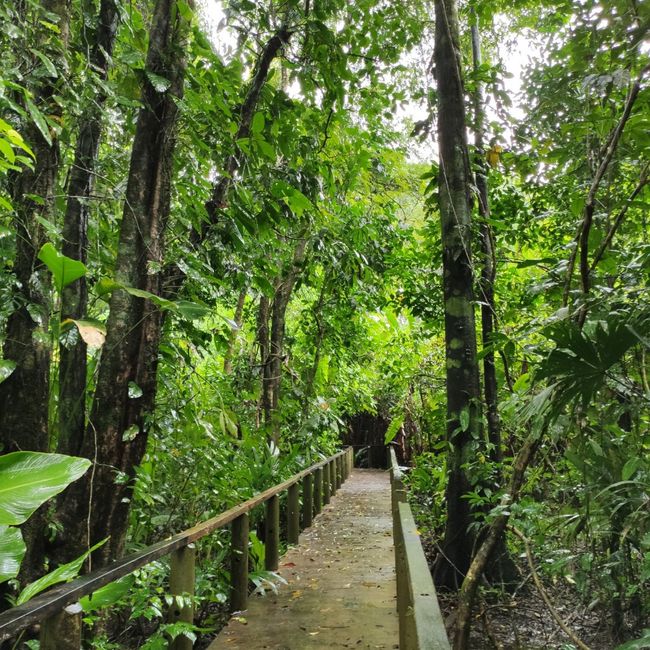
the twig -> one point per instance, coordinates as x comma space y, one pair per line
544, 595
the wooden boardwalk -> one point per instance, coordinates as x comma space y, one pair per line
340, 590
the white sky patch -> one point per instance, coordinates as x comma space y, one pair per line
519, 54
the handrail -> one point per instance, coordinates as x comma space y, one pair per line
420, 621
333, 470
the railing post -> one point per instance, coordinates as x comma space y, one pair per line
272, 534
331, 478
318, 490
181, 581
339, 472
307, 502
239, 564
63, 630
293, 514
398, 495
326, 483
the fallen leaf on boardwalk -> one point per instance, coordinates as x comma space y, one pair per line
313, 633
240, 619
289, 564
296, 594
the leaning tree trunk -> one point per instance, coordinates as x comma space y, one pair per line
463, 390
72, 368
116, 436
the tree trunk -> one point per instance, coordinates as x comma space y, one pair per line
488, 270
116, 436
502, 568
263, 341
24, 396
463, 390
72, 368
239, 311
278, 322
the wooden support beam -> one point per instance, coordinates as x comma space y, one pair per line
326, 484
293, 514
307, 502
63, 630
239, 564
181, 583
318, 490
272, 534
332, 472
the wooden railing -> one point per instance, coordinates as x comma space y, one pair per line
58, 610
420, 622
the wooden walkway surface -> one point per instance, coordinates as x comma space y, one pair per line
340, 590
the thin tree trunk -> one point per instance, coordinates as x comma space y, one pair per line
488, 270
463, 389
278, 327
72, 368
263, 313
116, 436
239, 311
494, 534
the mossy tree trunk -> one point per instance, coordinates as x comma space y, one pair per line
462, 380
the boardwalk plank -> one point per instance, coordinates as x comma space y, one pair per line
341, 580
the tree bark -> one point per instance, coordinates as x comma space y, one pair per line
24, 396
278, 327
72, 368
239, 311
463, 389
116, 436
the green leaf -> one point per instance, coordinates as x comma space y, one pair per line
12, 551
28, 479
39, 120
257, 125
47, 63
464, 419
159, 83
192, 310
108, 595
7, 366
134, 390
64, 269
393, 428
7, 151
64, 573
630, 467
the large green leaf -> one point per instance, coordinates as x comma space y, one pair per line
64, 269
12, 551
107, 595
64, 573
6, 368
28, 479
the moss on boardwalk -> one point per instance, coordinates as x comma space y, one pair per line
341, 580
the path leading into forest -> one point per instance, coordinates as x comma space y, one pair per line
340, 590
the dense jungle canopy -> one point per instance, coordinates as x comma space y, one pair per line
229, 231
